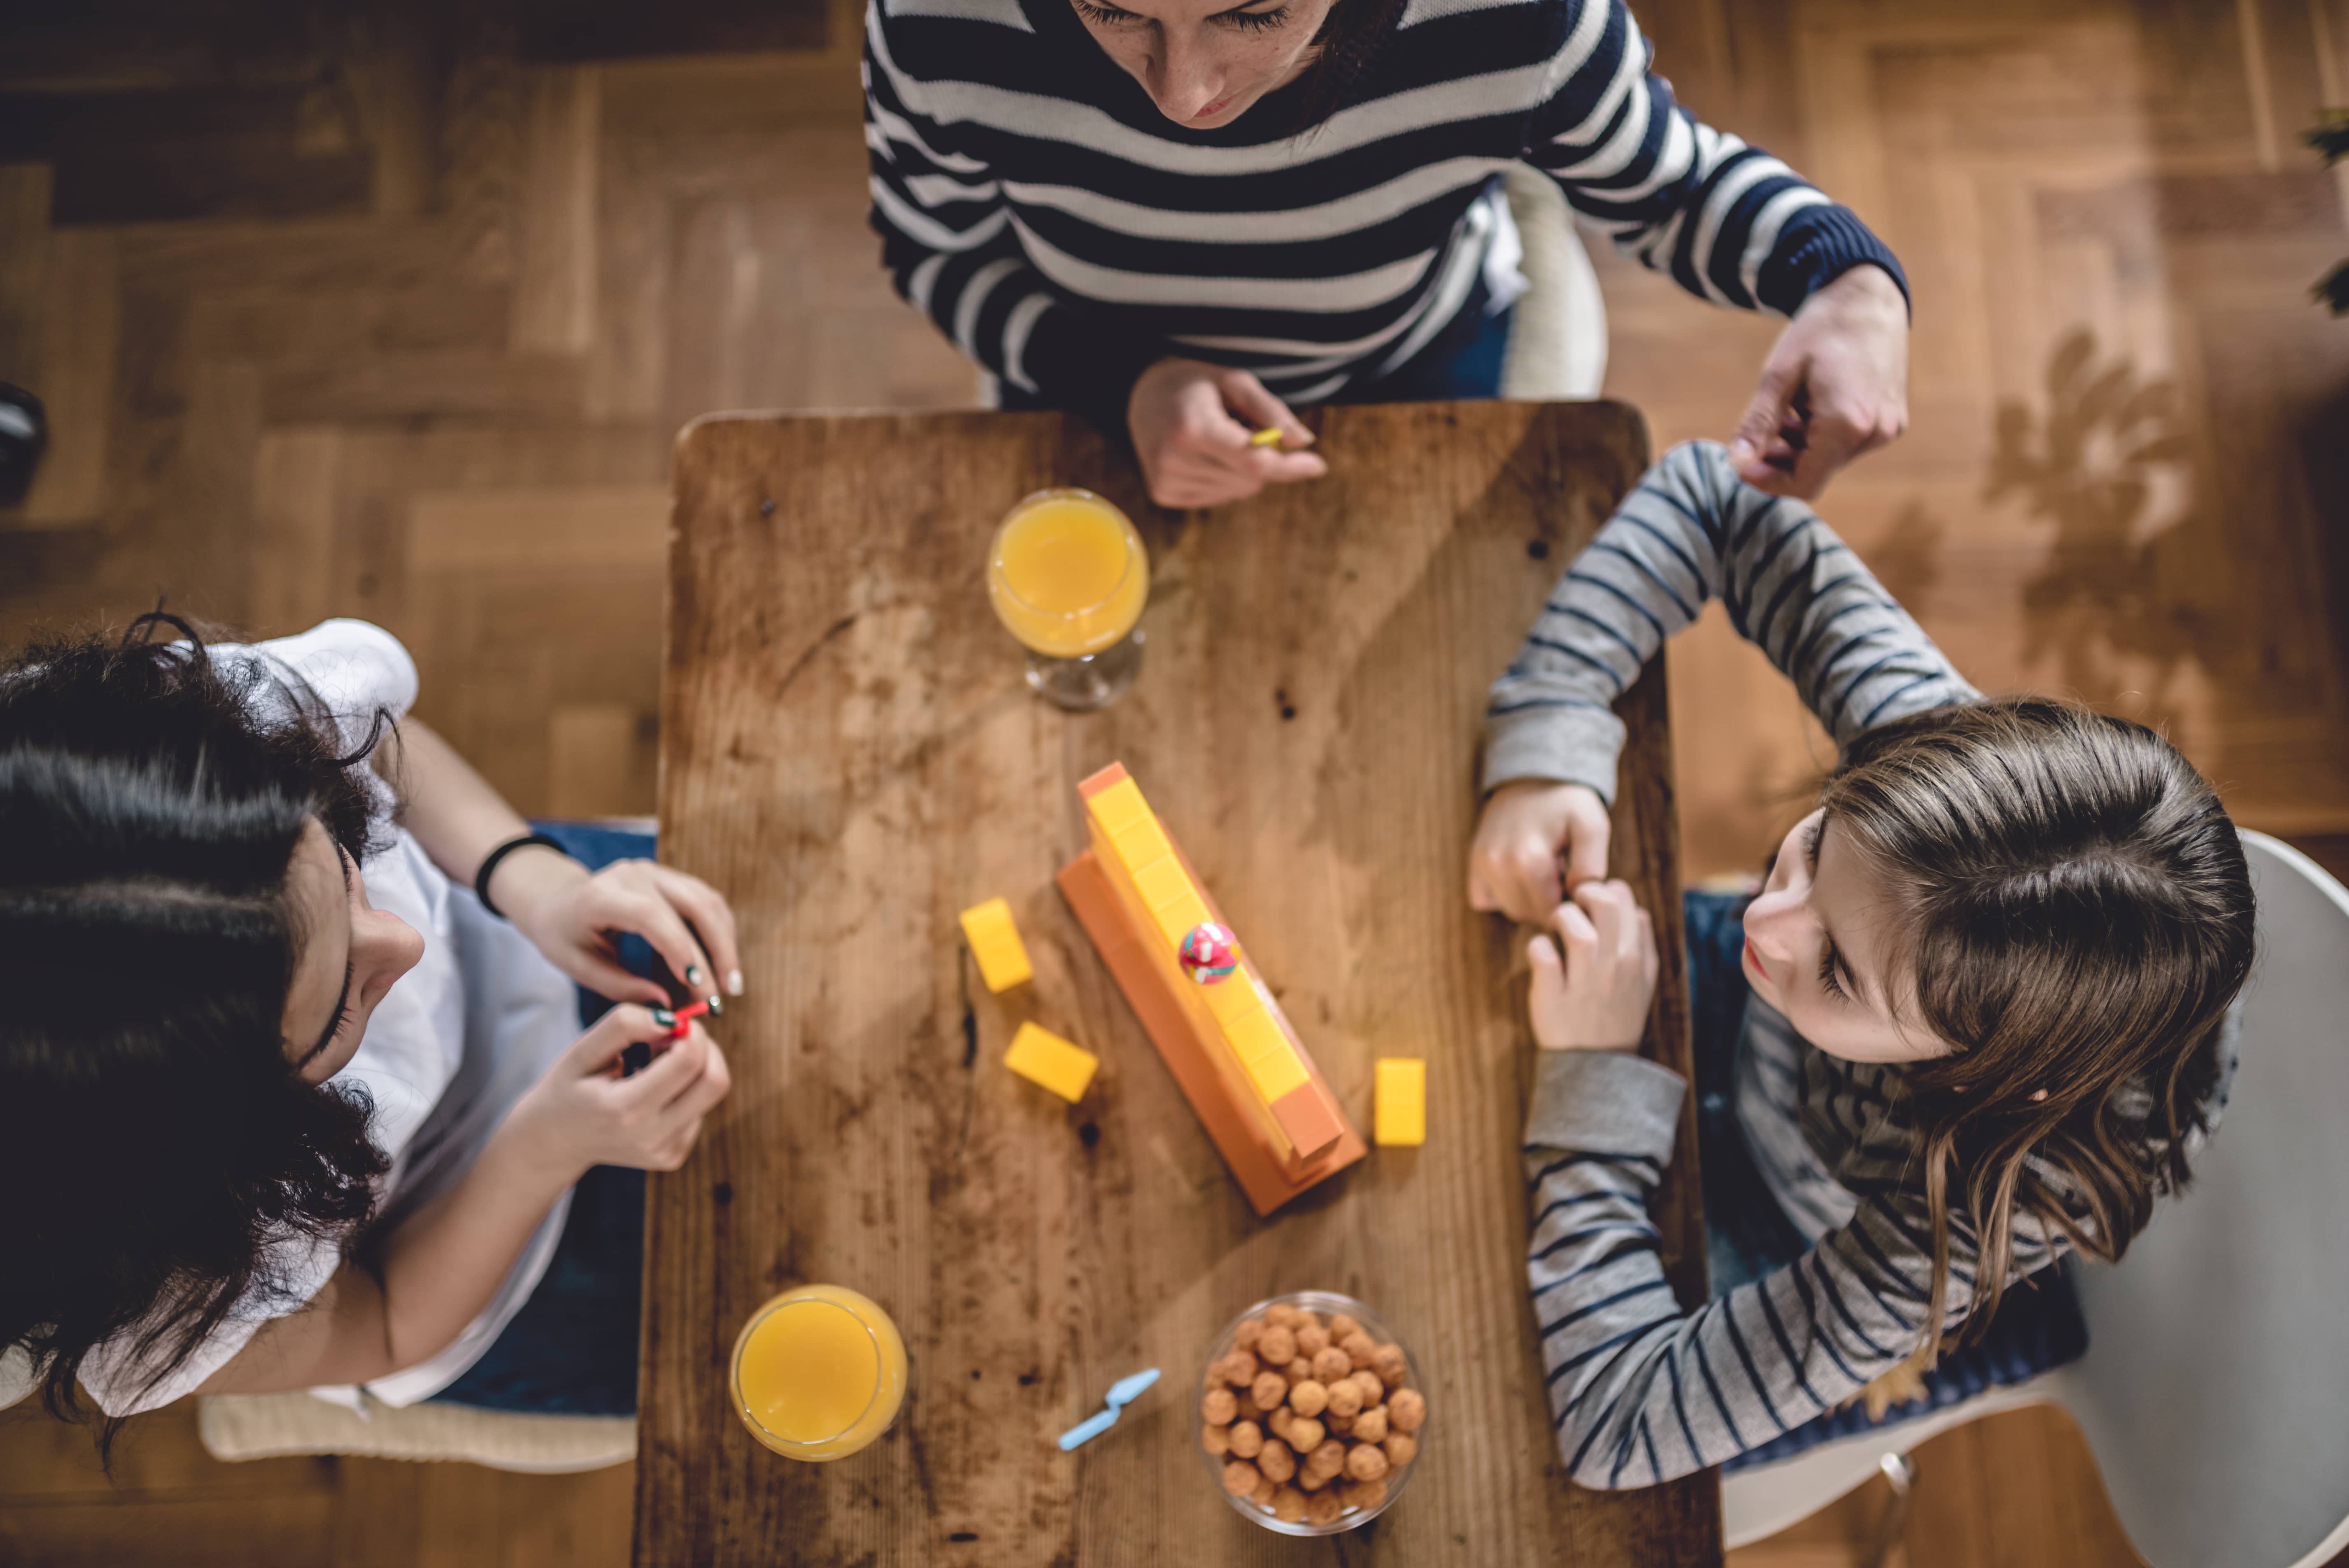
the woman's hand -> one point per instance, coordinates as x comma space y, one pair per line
1836, 385
1530, 832
570, 915
1194, 451
1597, 997
584, 1112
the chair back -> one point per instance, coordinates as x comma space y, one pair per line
2216, 1387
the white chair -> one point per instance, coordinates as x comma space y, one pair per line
1557, 338
2215, 1394
263, 1426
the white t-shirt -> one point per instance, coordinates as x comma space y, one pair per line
451, 1046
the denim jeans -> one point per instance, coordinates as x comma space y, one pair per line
571, 1348
1461, 362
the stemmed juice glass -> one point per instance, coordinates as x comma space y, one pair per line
818, 1373
1068, 576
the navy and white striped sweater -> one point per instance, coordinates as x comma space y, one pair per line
1035, 204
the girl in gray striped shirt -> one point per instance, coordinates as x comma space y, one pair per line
1990, 977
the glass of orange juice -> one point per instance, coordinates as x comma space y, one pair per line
818, 1373
1069, 577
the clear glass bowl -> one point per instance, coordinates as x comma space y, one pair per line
1326, 1304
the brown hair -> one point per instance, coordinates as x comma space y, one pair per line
2073, 903
1344, 50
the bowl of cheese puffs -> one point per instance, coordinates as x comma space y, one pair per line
1310, 1413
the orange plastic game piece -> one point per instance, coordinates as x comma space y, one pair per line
1240, 1064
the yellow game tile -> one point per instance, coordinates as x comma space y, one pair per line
1142, 844
1119, 807
1232, 998
1403, 1101
1161, 882
1043, 1057
995, 943
1177, 919
1253, 1036
1276, 1073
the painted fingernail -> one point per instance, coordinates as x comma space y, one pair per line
733, 981
664, 1017
717, 1007
693, 974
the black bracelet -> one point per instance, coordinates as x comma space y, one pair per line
489, 865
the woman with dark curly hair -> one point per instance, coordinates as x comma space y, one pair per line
284, 1102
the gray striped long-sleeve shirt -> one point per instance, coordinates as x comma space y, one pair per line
1639, 1391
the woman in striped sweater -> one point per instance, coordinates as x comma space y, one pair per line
1986, 993
1187, 216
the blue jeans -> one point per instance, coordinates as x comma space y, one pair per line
1461, 362
571, 1348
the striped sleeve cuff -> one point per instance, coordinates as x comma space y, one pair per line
1604, 1099
1818, 245
1082, 360
1546, 738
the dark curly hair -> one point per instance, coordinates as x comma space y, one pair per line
151, 798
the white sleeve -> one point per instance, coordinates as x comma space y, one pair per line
356, 669
112, 1374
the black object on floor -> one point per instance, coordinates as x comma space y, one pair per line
24, 434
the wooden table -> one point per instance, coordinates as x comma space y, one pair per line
848, 751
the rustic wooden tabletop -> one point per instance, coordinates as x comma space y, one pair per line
849, 752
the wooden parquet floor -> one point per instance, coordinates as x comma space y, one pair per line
393, 311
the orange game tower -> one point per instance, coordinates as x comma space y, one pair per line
1241, 1066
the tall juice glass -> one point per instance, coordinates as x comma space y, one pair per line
1069, 577
818, 1373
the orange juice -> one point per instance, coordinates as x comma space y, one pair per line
819, 1373
1067, 573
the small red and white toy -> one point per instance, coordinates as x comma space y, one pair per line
1210, 954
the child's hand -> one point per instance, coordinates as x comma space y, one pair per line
1597, 999
1527, 827
569, 915
583, 1113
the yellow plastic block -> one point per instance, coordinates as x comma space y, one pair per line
1276, 1072
995, 943
1043, 1057
1142, 844
1232, 998
1161, 882
1120, 807
1253, 1036
1177, 919
1403, 1100
1003, 962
